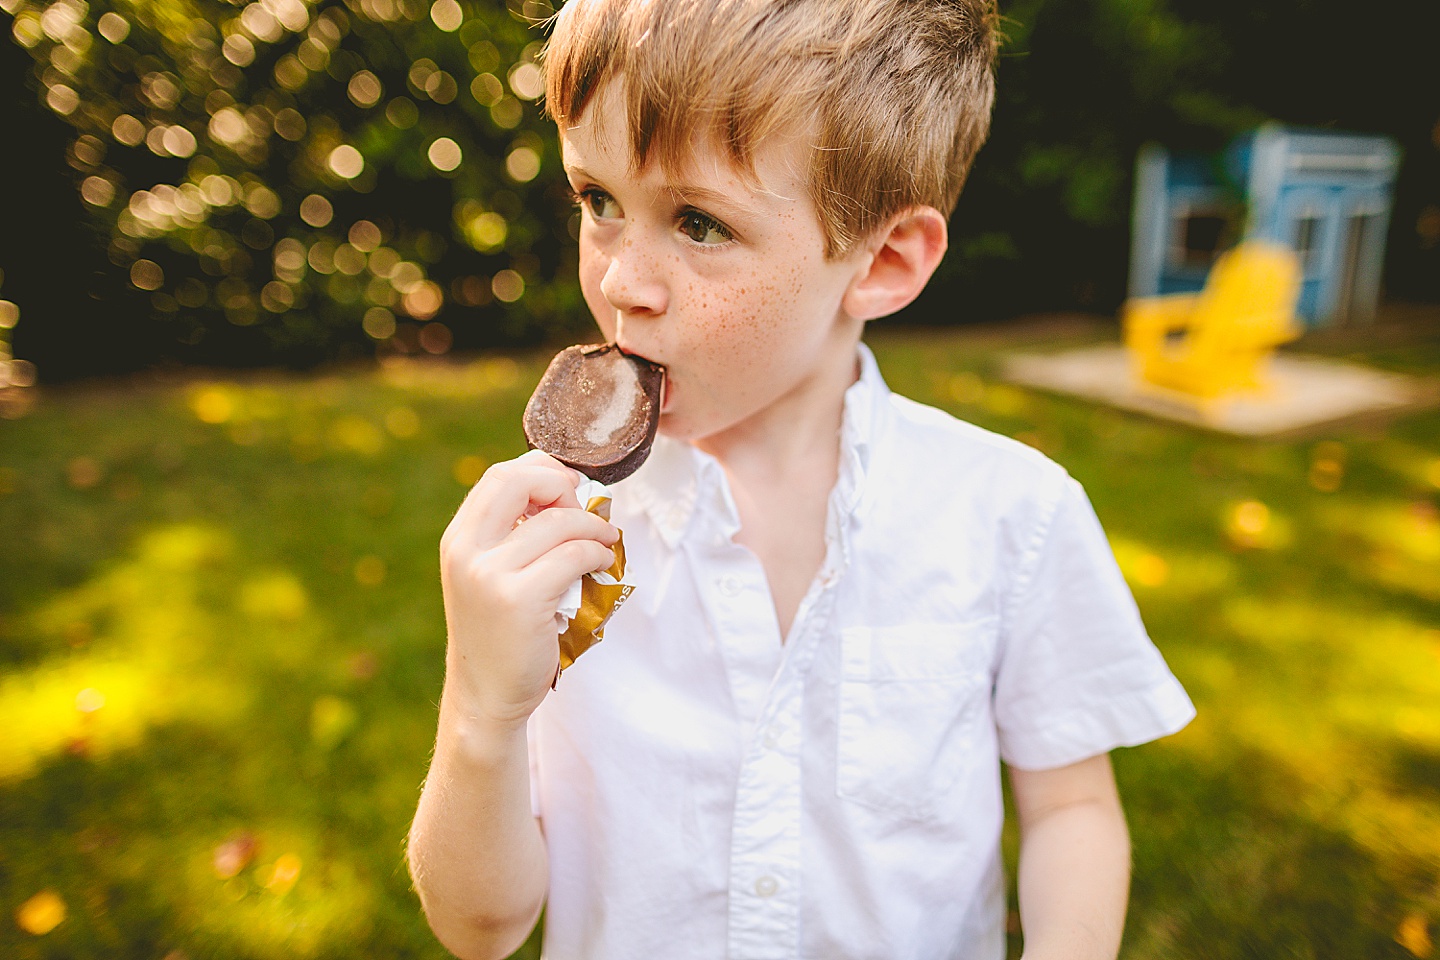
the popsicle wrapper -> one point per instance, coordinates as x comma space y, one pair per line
590, 602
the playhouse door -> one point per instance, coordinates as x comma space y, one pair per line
1307, 225
1354, 299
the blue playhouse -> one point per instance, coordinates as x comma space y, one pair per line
1326, 195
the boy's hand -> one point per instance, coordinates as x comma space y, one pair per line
514, 546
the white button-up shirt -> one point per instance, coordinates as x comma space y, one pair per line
710, 789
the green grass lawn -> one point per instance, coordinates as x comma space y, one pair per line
221, 645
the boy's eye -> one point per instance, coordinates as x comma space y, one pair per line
703, 228
601, 205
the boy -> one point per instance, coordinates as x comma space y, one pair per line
849, 607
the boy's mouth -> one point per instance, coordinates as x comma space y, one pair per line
664, 381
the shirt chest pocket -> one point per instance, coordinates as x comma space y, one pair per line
913, 703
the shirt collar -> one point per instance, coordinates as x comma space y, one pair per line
676, 478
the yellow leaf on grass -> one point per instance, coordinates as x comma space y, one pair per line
41, 913
1414, 935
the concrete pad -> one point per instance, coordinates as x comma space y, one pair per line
1305, 392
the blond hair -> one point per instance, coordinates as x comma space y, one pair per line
895, 94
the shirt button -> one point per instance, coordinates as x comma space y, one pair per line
766, 886
730, 586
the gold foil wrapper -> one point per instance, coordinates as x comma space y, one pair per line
600, 596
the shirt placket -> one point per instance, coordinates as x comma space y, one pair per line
765, 877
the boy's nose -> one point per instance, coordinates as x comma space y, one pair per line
632, 282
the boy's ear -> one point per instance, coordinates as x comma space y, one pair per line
902, 255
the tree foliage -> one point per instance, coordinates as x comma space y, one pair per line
286, 181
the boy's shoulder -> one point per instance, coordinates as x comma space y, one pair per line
932, 442
932, 471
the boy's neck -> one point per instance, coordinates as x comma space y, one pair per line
781, 466
798, 436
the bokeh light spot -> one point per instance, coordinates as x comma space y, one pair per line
212, 405
365, 88
500, 373
1151, 570
358, 434
508, 286
424, 300
447, 15
9, 314
331, 720
89, 150
370, 571
486, 231
113, 27
345, 161
1414, 935
131, 131
316, 210
235, 854
484, 56
97, 191
238, 49
402, 113
487, 89
402, 422
468, 470
1251, 524
283, 874
261, 201
364, 236
178, 141
290, 124
41, 913
445, 154
274, 596
146, 275
383, 262
379, 323
277, 297
507, 113
227, 126
436, 338
349, 260
89, 700
523, 164
1251, 517
62, 99
527, 80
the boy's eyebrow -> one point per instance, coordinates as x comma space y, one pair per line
688, 193
707, 197
575, 170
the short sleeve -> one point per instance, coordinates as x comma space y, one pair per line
1077, 674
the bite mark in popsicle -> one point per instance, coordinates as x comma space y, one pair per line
596, 409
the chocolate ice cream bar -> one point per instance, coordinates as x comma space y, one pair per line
596, 409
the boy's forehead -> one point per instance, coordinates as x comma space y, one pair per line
599, 146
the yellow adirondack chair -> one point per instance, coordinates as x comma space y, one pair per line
1218, 341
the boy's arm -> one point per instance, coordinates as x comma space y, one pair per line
476, 853
1074, 861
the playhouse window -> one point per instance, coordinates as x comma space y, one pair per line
1307, 240
1198, 237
